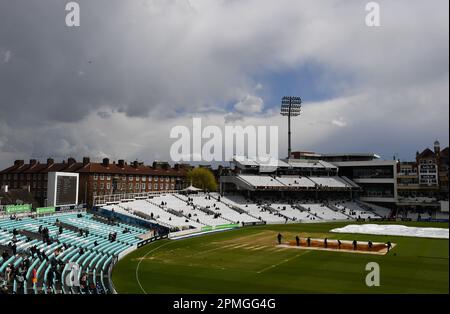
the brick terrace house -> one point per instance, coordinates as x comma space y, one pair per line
96, 178
427, 176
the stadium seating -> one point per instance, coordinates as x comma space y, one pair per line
330, 182
193, 211
324, 212
160, 214
212, 202
93, 253
354, 210
252, 209
296, 181
261, 181
377, 209
294, 212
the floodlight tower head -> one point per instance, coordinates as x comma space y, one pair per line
290, 107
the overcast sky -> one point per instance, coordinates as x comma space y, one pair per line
117, 84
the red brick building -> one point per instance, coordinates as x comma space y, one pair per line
95, 178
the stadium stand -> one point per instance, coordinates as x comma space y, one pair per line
40, 254
330, 182
296, 181
261, 181
324, 212
354, 210
194, 211
377, 209
267, 182
294, 212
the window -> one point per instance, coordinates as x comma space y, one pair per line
156, 186
167, 186
95, 176
172, 186
102, 186
167, 179
130, 178
172, 179
108, 186
144, 178
137, 185
149, 186
102, 177
150, 178
108, 177
143, 185
95, 185
130, 186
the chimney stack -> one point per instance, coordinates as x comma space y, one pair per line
121, 163
50, 161
135, 164
33, 162
106, 162
71, 161
18, 163
86, 160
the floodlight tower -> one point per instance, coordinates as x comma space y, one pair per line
290, 107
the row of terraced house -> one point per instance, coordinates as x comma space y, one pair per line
95, 178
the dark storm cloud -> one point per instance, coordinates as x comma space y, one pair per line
114, 85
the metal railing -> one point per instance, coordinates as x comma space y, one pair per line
116, 198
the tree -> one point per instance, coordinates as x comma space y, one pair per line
202, 178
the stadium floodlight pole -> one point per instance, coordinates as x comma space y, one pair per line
290, 107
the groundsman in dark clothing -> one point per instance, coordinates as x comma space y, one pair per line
389, 245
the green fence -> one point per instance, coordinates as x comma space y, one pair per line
209, 228
17, 209
45, 210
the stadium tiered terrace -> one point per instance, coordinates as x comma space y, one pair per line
181, 212
287, 175
31, 263
256, 182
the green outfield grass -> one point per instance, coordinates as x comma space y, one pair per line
247, 261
